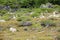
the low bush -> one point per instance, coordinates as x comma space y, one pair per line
2, 12
6, 17
47, 23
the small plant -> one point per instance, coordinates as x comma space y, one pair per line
6, 17
2, 12
47, 23
24, 18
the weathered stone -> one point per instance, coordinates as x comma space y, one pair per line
13, 29
1, 28
47, 5
7, 7
27, 23
43, 6
2, 21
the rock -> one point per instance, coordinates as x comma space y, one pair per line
2, 21
27, 23
42, 16
7, 7
13, 29
14, 17
54, 15
47, 5
1, 28
14, 9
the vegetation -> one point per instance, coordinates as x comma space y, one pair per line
26, 3
32, 19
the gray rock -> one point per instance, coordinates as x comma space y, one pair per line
2, 21
1, 28
43, 6
27, 23
47, 5
7, 7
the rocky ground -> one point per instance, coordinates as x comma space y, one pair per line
33, 24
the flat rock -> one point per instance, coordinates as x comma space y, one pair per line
27, 23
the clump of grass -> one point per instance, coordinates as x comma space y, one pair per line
48, 23
58, 37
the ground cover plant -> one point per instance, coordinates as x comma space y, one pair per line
29, 20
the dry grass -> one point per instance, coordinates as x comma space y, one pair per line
46, 34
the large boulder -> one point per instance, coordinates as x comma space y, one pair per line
27, 23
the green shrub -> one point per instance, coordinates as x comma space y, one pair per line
24, 18
48, 23
2, 12
36, 12
6, 17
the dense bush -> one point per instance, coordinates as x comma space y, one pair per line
27, 3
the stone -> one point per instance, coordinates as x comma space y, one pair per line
2, 21
1, 28
7, 7
42, 16
47, 5
43, 6
14, 9
13, 29
27, 23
